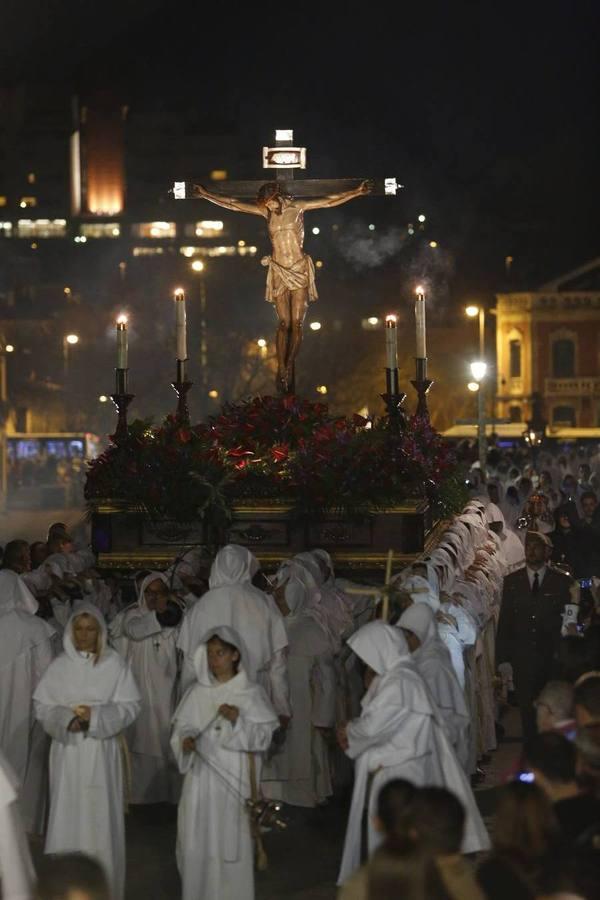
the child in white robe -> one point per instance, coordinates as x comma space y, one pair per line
223, 721
85, 700
398, 735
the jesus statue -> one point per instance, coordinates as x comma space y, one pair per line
290, 271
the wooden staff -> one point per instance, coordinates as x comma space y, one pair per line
379, 593
262, 861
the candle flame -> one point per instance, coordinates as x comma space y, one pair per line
391, 318
122, 320
419, 289
179, 293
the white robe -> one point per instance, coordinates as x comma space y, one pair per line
435, 667
299, 774
26, 650
86, 771
151, 652
398, 735
16, 869
232, 600
214, 845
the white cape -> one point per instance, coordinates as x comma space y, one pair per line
86, 773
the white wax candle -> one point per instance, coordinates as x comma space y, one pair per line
122, 343
391, 343
180, 325
420, 317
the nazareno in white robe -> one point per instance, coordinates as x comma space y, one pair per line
26, 650
151, 651
86, 769
398, 735
214, 844
16, 869
300, 772
433, 663
234, 601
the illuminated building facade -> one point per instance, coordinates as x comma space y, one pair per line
548, 343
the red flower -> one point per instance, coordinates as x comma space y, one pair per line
183, 435
280, 452
236, 452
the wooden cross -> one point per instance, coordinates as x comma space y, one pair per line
284, 158
379, 593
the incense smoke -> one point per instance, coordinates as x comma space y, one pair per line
371, 249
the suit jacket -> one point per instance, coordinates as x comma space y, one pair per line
529, 627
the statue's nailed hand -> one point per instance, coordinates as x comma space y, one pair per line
365, 187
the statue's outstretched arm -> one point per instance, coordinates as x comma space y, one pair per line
227, 202
335, 199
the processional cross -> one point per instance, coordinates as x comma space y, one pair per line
282, 202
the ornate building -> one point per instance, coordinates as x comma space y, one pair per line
548, 343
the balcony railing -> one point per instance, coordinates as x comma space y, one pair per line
572, 387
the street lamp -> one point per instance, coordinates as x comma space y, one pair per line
479, 371
473, 311
69, 340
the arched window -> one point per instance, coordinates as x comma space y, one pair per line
563, 415
514, 348
563, 358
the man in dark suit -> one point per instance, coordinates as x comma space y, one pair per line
530, 622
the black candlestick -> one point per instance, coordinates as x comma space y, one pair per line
421, 385
393, 399
181, 387
121, 399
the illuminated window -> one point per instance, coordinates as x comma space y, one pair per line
42, 228
208, 229
148, 251
154, 230
27, 202
3, 200
220, 250
31, 178
5, 229
218, 175
101, 229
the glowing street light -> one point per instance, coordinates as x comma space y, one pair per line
422, 218
473, 386
103, 398
9, 348
472, 311
315, 326
316, 230
373, 320
69, 340
321, 389
213, 394
261, 342
72, 338
479, 371
198, 265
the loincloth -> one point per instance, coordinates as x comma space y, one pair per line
281, 279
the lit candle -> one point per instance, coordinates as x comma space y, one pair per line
180, 324
122, 342
391, 342
420, 317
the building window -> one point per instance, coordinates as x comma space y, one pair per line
563, 415
147, 251
218, 175
515, 359
155, 230
42, 228
514, 413
208, 229
563, 358
28, 202
101, 229
3, 200
31, 178
5, 229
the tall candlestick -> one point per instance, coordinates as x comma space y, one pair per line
420, 318
180, 324
391, 342
122, 342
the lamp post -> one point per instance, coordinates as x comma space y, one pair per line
472, 312
69, 340
479, 371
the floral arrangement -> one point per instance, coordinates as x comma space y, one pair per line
283, 449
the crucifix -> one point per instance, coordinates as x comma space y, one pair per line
282, 201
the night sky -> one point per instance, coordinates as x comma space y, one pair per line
487, 112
